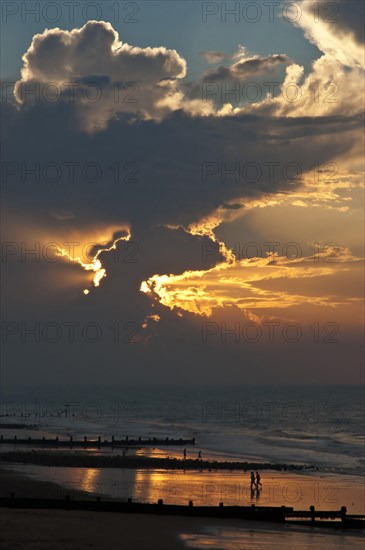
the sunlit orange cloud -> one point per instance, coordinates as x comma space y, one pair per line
257, 283
327, 187
76, 246
94, 264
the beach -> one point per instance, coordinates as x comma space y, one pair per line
74, 529
310, 462
56, 530
206, 487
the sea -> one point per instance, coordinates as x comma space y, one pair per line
319, 427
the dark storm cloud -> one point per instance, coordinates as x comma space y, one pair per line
178, 165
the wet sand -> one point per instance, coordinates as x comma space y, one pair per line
204, 488
78, 530
24, 486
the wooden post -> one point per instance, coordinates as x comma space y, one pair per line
313, 513
343, 513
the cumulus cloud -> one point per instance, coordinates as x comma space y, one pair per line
336, 26
213, 56
340, 70
335, 84
246, 67
102, 74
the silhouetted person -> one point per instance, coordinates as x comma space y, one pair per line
184, 454
253, 482
200, 455
258, 480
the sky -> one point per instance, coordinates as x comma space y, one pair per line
182, 192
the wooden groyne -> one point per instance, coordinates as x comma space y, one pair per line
91, 460
97, 443
339, 519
